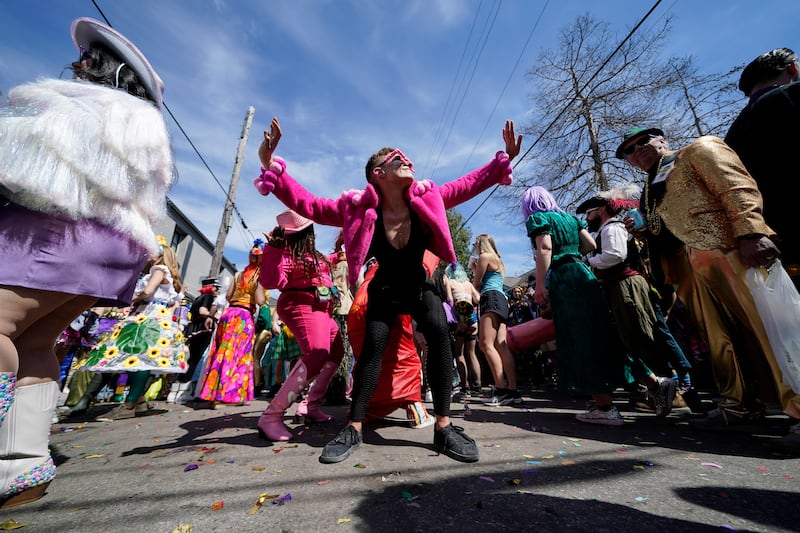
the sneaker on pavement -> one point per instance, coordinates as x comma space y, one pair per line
454, 443
503, 397
120, 412
462, 396
345, 443
497, 399
418, 416
510, 397
788, 444
605, 418
728, 420
663, 396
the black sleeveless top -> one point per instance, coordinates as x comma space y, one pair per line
401, 269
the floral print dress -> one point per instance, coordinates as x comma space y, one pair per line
149, 338
228, 373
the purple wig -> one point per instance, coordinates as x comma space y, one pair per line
538, 199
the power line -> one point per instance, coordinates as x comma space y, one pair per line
508, 82
566, 106
189, 140
443, 118
477, 57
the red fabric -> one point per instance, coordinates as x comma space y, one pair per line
400, 381
529, 334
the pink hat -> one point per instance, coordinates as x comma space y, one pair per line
291, 222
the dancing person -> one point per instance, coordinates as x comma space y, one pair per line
492, 328
294, 266
588, 363
400, 383
227, 376
397, 218
147, 339
463, 297
84, 170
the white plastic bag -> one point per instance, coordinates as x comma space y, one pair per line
778, 304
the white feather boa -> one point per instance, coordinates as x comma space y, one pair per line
86, 151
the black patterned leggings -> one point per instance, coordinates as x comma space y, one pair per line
384, 305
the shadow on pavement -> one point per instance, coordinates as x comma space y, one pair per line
773, 508
459, 504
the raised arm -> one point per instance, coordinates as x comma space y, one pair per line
274, 179
270, 142
496, 172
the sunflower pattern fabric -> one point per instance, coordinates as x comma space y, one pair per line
149, 338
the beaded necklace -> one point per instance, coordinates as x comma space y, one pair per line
653, 220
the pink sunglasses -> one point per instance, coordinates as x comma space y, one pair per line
399, 156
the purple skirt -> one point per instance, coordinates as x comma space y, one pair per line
53, 253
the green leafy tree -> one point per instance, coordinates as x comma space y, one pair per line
462, 237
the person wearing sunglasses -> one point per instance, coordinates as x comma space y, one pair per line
396, 218
704, 230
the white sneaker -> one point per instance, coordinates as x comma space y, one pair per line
606, 418
418, 416
428, 396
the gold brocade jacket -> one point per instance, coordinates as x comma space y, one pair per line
710, 198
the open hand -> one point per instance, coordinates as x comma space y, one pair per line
270, 142
276, 237
513, 142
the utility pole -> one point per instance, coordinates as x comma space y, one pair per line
225, 223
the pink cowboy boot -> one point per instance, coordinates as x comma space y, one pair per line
270, 424
309, 407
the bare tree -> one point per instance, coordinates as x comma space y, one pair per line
578, 123
704, 104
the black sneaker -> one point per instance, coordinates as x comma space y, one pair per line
454, 443
789, 444
346, 442
513, 397
662, 396
728, 420
497, 398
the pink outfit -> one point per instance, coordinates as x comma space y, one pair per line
309, 319
355, 211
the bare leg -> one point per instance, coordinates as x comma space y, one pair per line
472, 358
509, 364
461, 362
487, 336
30, 322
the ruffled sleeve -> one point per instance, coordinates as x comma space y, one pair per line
538, 224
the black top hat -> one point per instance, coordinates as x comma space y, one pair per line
210, 281
594, 201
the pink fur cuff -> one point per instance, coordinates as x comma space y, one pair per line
265, 183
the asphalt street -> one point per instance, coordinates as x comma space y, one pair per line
189, 468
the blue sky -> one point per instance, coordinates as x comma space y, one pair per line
347, 77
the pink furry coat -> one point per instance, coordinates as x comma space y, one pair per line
356, 210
